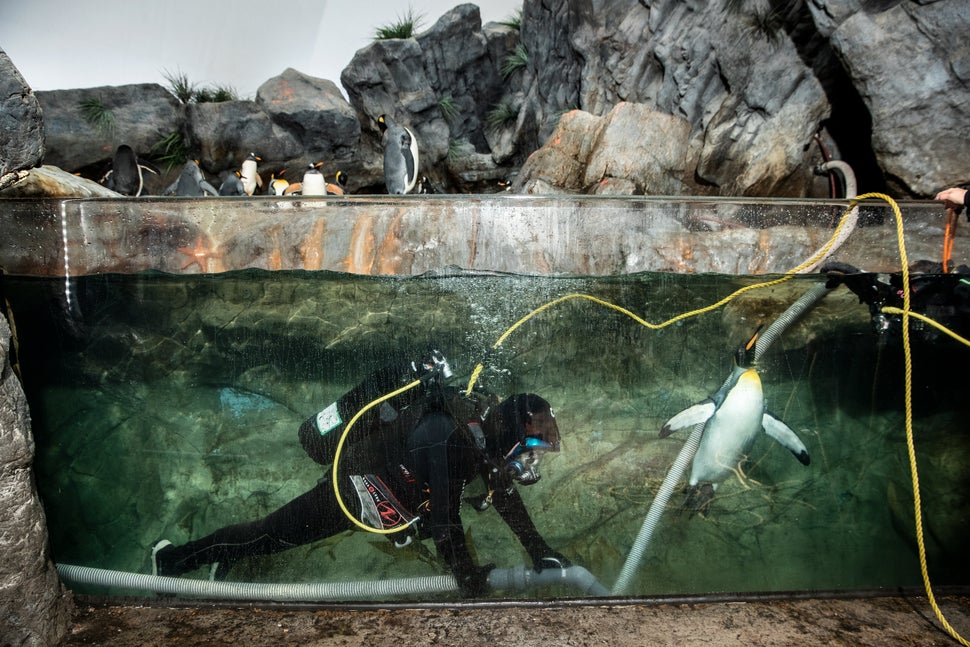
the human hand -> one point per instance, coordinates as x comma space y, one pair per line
551, 559
473, 580
953, 195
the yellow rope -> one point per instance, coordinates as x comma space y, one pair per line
910, 445
790, 274
907, 355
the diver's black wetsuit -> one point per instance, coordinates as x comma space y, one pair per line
440, 457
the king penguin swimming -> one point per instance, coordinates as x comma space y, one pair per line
400, 156
732, 418
126, 175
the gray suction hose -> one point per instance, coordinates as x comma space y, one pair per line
666, 490
686, 455
500, 578
787, 318
850, 192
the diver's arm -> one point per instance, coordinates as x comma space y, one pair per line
510, 506
444, 520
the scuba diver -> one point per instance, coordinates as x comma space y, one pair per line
433, 441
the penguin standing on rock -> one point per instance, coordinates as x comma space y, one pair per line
126, 173
732, 418
313, 182
339, 184
232, 185
277, 185
250, 174
191, 182
400, 156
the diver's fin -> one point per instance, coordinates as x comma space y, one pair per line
689, 417
784, 435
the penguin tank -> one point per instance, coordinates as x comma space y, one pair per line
170, 351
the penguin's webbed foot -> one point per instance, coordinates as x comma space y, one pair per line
698, 499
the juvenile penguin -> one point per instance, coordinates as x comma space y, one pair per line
126, 173
250, 174
732, 418
313, 182
191, 182
400, 156
277, 185
232, 185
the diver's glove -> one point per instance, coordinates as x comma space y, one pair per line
473, 580
550, 559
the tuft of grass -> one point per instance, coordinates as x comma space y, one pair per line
179, 85
515, 61
503, 113
458, 148
448, 107
216, 94
170, 150
96, 114
405, 27
514, 21
187, 92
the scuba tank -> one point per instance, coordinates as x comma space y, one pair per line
320, 433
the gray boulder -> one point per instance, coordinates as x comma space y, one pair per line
21, 121
225, 133
633, 150
53, 182
313, 112
462, 72
36, 609
388, 77
139, 115
911, 66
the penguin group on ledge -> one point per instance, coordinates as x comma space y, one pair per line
126, 174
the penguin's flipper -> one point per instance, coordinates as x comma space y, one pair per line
784, 435
259, 180
171, 188
294, 187
208, 188
689, 417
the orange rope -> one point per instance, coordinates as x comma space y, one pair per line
948, 235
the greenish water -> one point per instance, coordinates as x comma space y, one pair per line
168, 406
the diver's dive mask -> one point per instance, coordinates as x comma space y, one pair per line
522, 463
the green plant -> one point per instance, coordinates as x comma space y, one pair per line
179, 85
95, 113
404, 27
514, 21
170, 150
448, 107
216, 94
458, 148
502, 113
517, 60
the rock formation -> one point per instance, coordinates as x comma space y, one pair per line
759, 87
35, 608
21, 121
